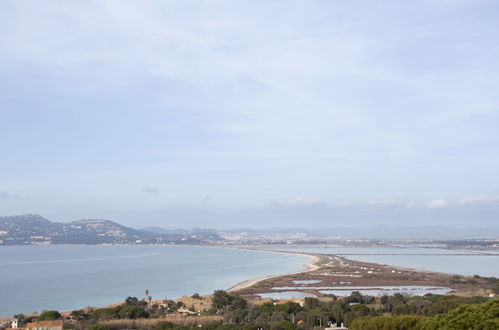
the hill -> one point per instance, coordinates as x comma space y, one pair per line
34, 229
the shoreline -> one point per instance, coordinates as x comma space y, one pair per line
337, 271
308, 267
316, 261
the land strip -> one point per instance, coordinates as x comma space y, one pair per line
336, 272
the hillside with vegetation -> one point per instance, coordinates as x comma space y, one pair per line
225, 311
34, 229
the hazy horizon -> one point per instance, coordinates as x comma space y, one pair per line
182, 114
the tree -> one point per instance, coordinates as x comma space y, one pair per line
238, 302
220, 299
289, 307
405, 322
132, 312
340, 309
355, 297
495, 289
132, 301
148, 297
253, 326
472, 317
49, 315
355, 312
283, 325
311, 303
80, 315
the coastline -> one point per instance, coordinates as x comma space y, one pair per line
302, 265
329, 270
339, 273
308, 267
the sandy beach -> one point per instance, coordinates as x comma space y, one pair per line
308, 267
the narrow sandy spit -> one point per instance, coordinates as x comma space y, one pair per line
310, 266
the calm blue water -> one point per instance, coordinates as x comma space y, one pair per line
448, 262
33, 278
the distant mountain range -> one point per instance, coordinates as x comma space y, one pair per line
34, 229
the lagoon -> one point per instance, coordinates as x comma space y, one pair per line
462, 262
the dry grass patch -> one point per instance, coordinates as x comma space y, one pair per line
202, 304
140, 323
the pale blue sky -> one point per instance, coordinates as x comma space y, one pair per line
251, 113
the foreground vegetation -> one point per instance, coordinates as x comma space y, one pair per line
227, 311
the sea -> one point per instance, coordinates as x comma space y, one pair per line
70, 277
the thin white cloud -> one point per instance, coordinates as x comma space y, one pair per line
480, 200
300, 202
437, 204
335, 100
392, 203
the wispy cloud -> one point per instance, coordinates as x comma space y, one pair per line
7, 195
354, 107
437, 204
481, 200
149, 190
299, 202
392, 203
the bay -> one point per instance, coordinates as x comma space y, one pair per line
69, 277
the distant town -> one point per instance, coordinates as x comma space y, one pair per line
32, 229
333, 292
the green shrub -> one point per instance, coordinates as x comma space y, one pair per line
132, 312
405, 322
470, 317
49, 316
283, 325
97, 327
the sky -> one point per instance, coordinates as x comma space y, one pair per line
261, 113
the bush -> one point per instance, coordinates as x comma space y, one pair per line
49, 316
164, 325
97, 327
221, 299
212, 326
132, 312
104, 313
311, 303
479, 317
132, 301
283, 325
406, 322
228, 327
253, 326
